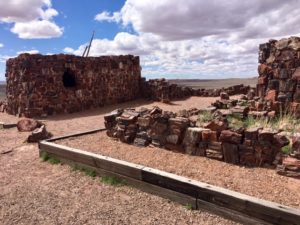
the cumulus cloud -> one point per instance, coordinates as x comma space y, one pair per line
1, 45
69, 50
109, 17
31, 18
4, 58
186, 19
37, 29
197, 38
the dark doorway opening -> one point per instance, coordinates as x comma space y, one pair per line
69, 79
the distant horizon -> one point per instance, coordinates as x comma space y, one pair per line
185, 79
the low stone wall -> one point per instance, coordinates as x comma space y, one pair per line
40, 85
215, 139
162, 90
279, 73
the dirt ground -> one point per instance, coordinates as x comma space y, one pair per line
258, 182
35, 192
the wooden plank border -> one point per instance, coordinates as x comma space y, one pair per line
75, 135
221, 201
7, 125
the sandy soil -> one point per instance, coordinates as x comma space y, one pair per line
34, 192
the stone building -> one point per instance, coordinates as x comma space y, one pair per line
40, 85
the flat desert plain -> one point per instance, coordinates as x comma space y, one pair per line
217, 83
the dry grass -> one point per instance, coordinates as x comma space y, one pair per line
287, 122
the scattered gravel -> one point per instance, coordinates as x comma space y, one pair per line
259, 182
34, 192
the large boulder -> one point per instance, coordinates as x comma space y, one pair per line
27, 125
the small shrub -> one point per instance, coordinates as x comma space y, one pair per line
86, 171
205, 117
46, 158
286, 149
188, 206
234, 122
113, 181
53, 160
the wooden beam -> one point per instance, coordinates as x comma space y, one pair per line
74, 135
7, 125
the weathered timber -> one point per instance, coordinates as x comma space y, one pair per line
7, 125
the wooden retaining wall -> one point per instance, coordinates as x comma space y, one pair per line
229, 204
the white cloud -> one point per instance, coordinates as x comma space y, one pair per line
31, 18
37, 29
4, 58
48, 14
189, 19
106, 16
69, 50
197, 38
1, 45
33, 51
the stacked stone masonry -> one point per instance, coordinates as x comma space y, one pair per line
216, 139
279, 73
44, 85
162, 90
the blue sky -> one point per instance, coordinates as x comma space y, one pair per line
77, 19
175, 39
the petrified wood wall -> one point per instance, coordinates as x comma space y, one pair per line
40, 85
279, 73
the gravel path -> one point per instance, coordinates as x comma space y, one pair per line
34, 192
259, 182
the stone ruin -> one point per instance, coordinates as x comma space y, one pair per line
277, 93
279, 74
162, 90
45, 85
216, 138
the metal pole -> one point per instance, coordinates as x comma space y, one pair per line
88, 51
